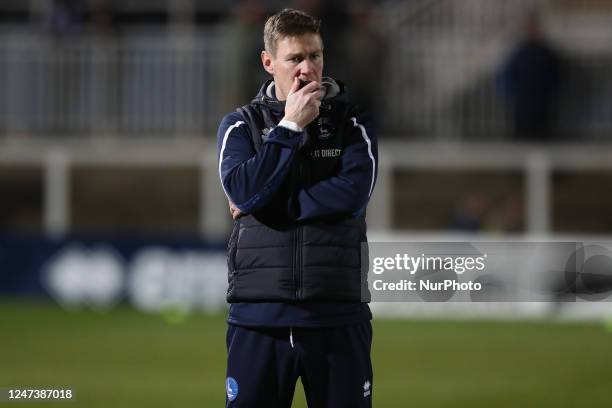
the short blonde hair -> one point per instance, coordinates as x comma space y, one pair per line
288, 22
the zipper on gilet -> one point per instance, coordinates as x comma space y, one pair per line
297, 263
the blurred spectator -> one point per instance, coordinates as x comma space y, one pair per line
64, 22
365, 48
530, 81
101, 17
508, 215
241, 73
470, 214
66, 17
479, 212
103, 29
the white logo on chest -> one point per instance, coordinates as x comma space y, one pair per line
325, 153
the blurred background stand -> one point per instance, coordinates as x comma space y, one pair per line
109, 111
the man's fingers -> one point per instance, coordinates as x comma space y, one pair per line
235, 211
312, 86
304, 104
295, 86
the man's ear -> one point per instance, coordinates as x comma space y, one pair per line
266, 61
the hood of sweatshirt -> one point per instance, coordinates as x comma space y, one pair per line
334, 91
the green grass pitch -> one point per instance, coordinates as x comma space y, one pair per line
123, 358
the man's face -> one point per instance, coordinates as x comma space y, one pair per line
296, 57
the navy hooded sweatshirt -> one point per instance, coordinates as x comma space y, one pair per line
255, 178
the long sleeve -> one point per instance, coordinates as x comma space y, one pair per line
250, 178
349, 190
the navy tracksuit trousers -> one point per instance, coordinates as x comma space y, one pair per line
333, 363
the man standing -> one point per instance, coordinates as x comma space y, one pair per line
298, 165
530, 80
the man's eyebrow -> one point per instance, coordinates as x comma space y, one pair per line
300, 54
295, 54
